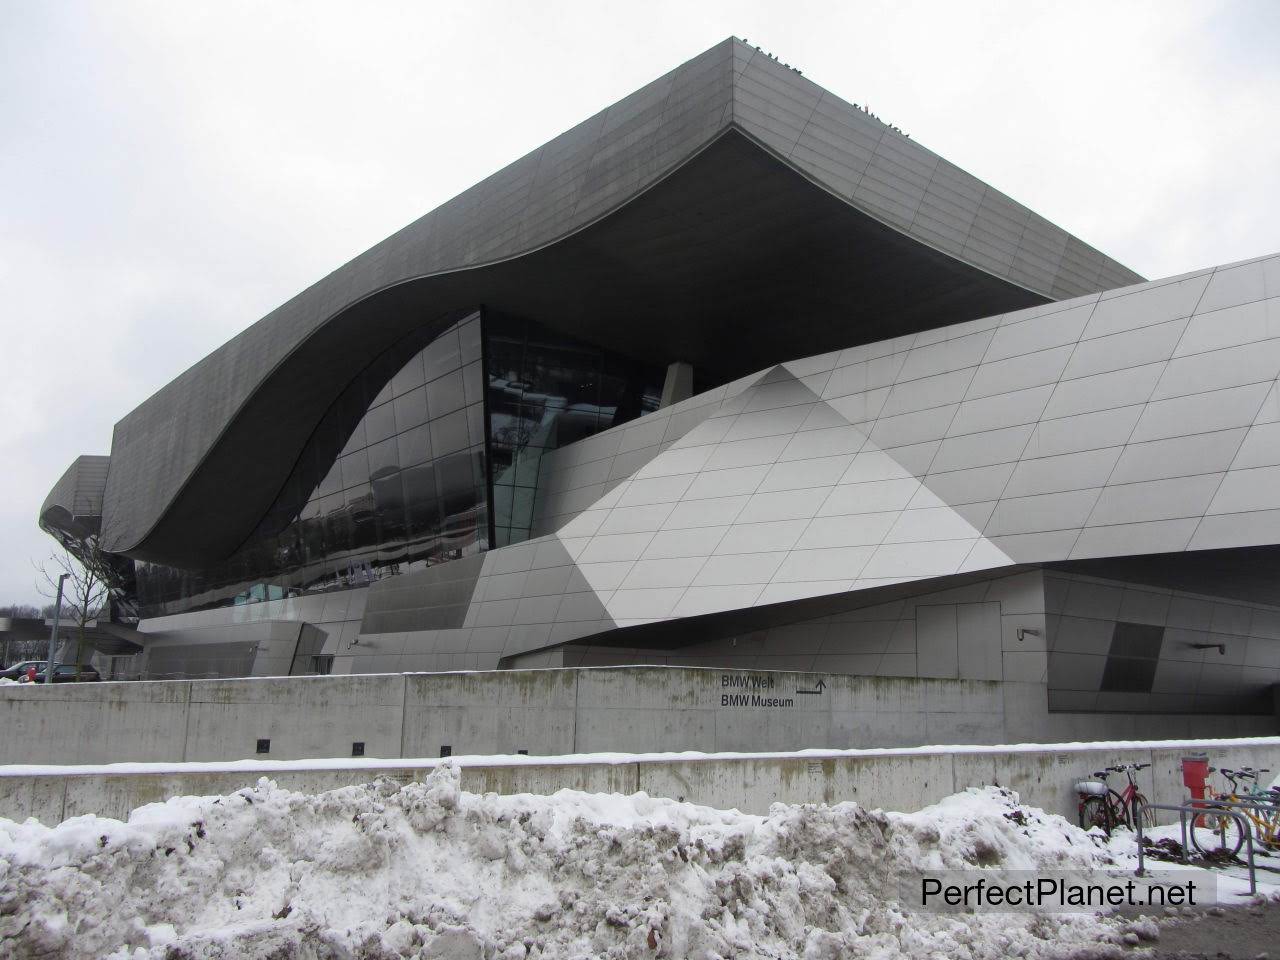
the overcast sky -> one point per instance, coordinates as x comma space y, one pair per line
170, 172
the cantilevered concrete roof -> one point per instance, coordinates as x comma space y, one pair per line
731, 213
74, 505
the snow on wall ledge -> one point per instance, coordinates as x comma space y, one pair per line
899, 779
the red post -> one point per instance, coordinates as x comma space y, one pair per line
1195, 776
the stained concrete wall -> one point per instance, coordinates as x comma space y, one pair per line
82, 722
549, 712
909, 781
300, 719
534, 710
905, 781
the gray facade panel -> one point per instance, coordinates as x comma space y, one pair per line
74, 505
741, 511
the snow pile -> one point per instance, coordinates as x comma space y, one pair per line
426, 870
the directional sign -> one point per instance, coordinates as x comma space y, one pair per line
817, 689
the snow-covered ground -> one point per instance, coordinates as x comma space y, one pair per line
425, 869
1229, 879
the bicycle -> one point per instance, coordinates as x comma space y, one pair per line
1221, 835
1101, 806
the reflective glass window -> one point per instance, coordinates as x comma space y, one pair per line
397, 474
475, 423
355, 469
415, 445
331, 483
368, 496
469, 342
546, 391
408, 376
380, 422
450, 434
445, 394
382, 396
443, 355
473, 382
410, 409
384, 458
357, 441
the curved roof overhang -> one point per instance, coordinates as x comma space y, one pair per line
73, 509
692, 231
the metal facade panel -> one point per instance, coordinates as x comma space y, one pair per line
761, 515
74, 505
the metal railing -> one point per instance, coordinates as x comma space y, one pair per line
1197, 808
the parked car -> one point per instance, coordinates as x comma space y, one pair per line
19, 670
66, 673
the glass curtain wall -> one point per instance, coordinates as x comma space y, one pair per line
545, 391
392, 479
397, 474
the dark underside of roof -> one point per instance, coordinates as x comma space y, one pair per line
732, 263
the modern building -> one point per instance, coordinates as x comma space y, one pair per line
732, 373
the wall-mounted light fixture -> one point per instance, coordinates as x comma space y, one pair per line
1220, 647
1024, 632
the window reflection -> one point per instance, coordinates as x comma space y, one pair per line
396, 475
545, 392
372, 493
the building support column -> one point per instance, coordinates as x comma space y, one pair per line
678, 385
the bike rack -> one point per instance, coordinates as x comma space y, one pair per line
1251, 804
1247, 804
1197, 808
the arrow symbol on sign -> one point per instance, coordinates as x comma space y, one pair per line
817, 689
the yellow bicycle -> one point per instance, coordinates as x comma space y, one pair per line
1218, 834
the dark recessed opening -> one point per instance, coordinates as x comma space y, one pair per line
523, 753
1132, 660
357, 748
446, 751
264, 746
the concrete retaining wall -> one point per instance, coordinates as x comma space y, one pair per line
909, 781
904, 781
549, 712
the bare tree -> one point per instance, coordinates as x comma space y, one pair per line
85, 593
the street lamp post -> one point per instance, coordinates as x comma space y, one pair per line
53, 634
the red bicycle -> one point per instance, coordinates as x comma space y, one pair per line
1100, 806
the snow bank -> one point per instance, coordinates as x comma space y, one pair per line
427, 870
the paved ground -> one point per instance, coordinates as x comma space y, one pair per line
1235, 933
